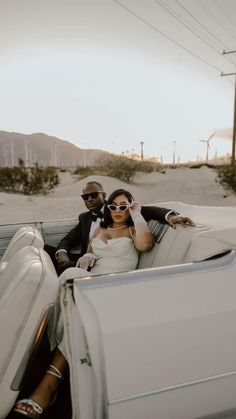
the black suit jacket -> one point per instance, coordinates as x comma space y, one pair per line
79, 235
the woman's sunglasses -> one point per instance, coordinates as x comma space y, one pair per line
121, 208
93, 195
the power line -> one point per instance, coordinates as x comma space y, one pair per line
213, 17
234, 120
224, 13
205, 28
187, 26
166, 36
201, 24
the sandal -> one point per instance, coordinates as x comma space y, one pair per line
36, 408
54, 371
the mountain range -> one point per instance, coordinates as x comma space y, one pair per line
45, 150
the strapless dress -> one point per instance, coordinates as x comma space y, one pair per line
117, 255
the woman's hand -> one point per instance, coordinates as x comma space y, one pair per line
134, 209
86, 261
143, 239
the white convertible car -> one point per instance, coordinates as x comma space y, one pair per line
155, 343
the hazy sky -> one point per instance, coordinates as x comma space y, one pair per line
102, 76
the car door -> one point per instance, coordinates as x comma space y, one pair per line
155, 343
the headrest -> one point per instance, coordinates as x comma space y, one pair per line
207, 244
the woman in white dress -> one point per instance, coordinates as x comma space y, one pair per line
114, 248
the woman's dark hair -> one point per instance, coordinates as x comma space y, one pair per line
107, 213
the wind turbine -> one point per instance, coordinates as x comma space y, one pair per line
207, 141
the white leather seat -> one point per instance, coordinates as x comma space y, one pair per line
172, 248
207, 244
28, 288
25, 236
186, 245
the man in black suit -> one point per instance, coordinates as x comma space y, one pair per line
94, 199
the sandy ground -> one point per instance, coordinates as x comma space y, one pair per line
191, 186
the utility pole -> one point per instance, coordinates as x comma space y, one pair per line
141, 143
234, 127
234, 121
85, 155
161, 158
174, 142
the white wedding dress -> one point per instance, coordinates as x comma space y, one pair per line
117, 255
114, 256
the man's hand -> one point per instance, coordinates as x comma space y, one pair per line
62, 257
177, 219
87, 261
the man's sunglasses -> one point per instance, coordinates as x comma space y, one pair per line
93, 195
121, 208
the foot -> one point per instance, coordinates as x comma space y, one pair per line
43, 397
45, 394
29, 407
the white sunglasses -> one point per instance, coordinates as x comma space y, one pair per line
117, 208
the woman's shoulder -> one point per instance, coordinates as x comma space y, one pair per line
101, 232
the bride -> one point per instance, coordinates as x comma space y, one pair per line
114, 248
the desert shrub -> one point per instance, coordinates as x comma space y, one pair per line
226, 176
195, 166
147, 167
28, 181
120, 167
21, 162
124, 168
199, 165
84, 171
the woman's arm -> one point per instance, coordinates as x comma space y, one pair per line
89, 249
143, 238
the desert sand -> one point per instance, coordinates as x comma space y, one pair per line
191, 186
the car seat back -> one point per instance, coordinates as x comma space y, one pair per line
25, 236
28, 289
171, 245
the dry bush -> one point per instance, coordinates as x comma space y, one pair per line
226, 176
28, 181
120, 167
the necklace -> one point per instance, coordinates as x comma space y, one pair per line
116, 228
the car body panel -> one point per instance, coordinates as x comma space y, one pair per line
167, 338
159, 341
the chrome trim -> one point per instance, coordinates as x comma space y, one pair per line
150, 274
171, 388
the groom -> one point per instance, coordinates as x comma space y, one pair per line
94, 199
